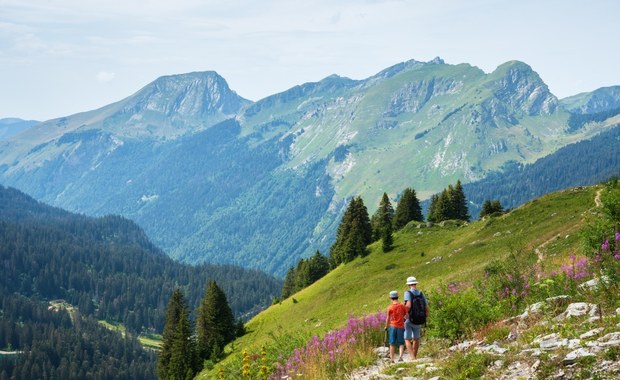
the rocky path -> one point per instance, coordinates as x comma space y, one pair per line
593, 338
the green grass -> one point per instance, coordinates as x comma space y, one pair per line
152, 341
549, 224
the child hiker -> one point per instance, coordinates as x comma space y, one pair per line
396, 314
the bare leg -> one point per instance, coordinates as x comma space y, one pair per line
392, 349
410, 349
401, 350
416, 345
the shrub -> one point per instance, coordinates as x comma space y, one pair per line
507, 281
456, 315
467, 366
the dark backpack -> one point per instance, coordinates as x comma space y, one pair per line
417, 311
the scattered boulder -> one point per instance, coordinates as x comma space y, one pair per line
493, 349
591, 333
579, 309
572, 356
463, 346
382, 352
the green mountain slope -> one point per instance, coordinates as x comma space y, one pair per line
212, 177
549, 225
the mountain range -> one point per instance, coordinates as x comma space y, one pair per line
13, 126
213, 177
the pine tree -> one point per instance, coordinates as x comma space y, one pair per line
486, 209
215, 323
433, 209
184, 359
491, 207
353, 235
444, 206
288, 287
460, 203
382, 217
318, 266
177, 358
387, 238
407, 209
361, 215
302, 275
173, 315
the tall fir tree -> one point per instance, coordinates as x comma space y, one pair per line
184, 361
288, 287
215, 323
302, 275
353, 235
433, 209
387, 240
305, 273
318, 266
442, 207
382, 217
450, 204
460, 203
177, 330
407, 209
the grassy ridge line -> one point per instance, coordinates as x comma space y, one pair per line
362, 285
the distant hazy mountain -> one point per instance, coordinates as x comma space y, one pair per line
601, 100
13, 126
213, 177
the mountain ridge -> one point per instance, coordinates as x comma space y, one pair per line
175, 158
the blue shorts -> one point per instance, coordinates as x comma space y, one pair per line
412, 331
397, 336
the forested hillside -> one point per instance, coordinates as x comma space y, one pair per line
39, 343
108, 269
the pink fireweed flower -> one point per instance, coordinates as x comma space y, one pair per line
617, 236
605, 245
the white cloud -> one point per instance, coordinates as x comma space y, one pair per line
105, 77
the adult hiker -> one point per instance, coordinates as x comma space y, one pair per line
417, 307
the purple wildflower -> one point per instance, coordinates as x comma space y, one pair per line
605, 246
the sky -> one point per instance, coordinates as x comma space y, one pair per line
61, 57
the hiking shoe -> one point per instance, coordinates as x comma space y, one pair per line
400, 359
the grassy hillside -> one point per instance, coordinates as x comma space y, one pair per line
549, 225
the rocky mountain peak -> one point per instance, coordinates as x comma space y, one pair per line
517, 84
196, 94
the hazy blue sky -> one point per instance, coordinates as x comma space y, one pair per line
59, 57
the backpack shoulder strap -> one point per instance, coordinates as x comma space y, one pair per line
411, 295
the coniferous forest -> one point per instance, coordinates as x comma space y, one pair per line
103, 269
